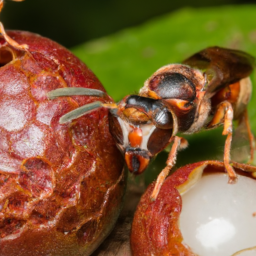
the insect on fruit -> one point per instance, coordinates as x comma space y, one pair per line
208, 89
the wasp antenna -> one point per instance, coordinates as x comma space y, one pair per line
80, 112
72, 91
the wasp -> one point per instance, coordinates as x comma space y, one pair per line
208, 89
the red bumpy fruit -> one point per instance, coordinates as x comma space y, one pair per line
61, 185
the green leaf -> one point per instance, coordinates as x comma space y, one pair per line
123, 61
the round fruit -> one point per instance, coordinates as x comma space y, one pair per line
61, 185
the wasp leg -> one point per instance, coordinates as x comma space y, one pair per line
178, 143
10, 41
225, 111
245, 119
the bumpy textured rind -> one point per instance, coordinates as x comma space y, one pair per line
61, 185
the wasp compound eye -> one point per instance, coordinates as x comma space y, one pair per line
173, 86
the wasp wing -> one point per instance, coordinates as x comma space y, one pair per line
221, 66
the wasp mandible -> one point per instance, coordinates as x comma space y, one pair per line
208, 89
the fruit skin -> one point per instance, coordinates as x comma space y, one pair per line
61, 185
155, 227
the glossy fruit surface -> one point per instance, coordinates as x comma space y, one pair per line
61, 185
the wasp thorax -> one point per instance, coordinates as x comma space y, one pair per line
173, 86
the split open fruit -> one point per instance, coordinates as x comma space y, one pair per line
198, 213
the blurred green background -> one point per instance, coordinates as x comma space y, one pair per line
124, 42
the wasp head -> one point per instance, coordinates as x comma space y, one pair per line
142, 127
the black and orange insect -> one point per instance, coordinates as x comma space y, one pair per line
209, 89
